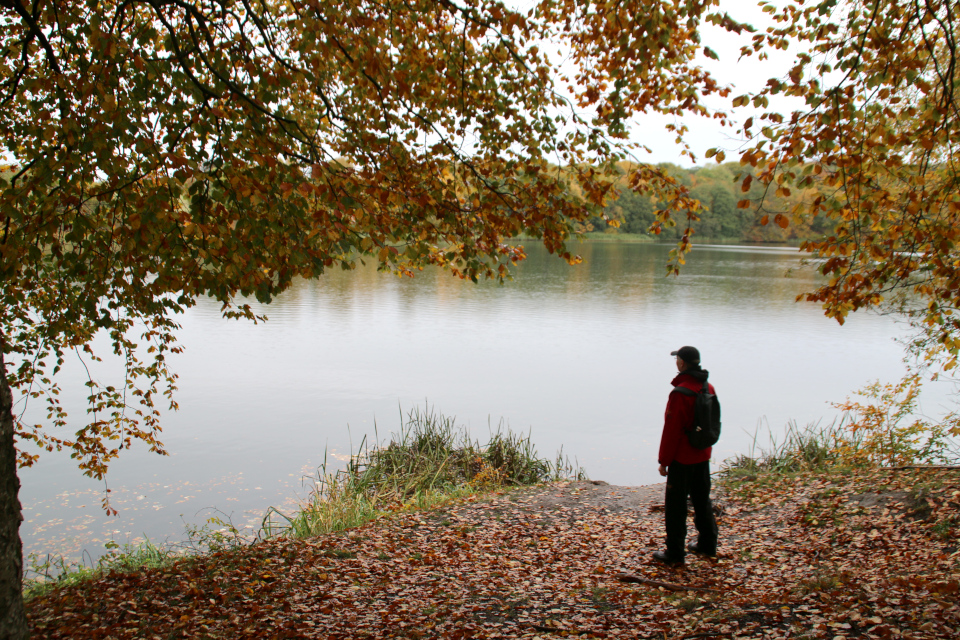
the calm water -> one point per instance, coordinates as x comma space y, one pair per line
578, 356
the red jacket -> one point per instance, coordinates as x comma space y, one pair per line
674, 446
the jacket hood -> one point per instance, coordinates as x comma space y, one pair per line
699, 375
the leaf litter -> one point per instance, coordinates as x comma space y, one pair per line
868, 554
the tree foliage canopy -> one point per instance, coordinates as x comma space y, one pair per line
876, 136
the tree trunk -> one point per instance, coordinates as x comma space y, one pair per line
13, 622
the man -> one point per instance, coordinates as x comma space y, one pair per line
687, 469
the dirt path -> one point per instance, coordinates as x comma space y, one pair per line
596, 494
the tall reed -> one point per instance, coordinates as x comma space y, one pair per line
815, 446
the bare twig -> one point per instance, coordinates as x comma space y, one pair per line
627, 577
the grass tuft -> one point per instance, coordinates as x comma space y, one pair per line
814, 447
55, 571
44, 574
429, 462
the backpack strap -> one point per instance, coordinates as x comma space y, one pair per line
685, 391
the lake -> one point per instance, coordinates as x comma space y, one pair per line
578, 356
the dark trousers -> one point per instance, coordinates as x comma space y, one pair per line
689, 480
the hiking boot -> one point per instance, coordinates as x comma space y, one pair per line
662, 556
693, 547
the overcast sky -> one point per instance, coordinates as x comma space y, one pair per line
746, 75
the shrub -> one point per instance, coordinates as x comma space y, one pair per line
888, 432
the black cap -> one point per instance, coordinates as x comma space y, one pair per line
690, 355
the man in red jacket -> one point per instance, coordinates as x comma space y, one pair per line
687, 469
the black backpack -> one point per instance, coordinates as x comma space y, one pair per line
705, 430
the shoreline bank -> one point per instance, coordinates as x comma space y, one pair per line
833, 553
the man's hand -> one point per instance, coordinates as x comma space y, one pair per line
663, 471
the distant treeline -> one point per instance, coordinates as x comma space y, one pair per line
718, 188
